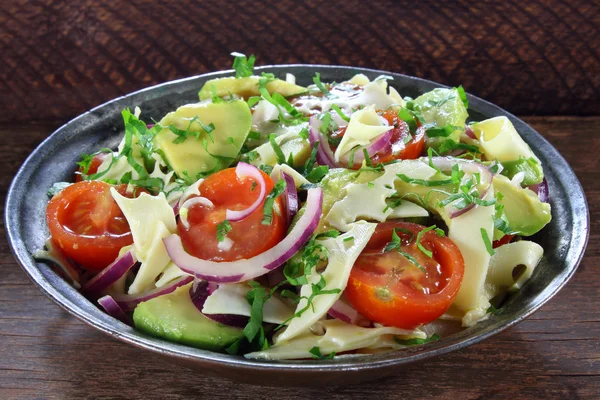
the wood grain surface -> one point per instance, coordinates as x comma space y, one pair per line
535, 57
555, 354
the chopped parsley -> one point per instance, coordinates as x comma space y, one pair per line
316, 353
244, 67
270, 200
493, 310
320, 85
423, 182
487, 242
417, 341
223, 228
340, 113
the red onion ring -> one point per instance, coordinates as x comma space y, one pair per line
245, 269
379, 143
190, 202
128, 302
110, 274
541, 189
199, 293
291, 197
469, 132
324, 154
345, 312
113, 309
244, 170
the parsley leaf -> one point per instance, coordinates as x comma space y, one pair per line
487, 242
463, 96
417, 341
493, 310
320, 85
270, 200
222, 229
316, 353
243, 66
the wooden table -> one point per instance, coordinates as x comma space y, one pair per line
46, 353
540, 57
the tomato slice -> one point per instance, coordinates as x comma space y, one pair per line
87, 224
93, 168
505, 240
250, 237
388, 288
399, 147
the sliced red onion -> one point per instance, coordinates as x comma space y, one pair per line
199, 293
190, 202
275, 277
541, 189
245, 269
113, 309
150, 126
469, 167
469, 132
244, 170
110, 274
128, 302
290, 197
175, 207
345, 312
324, 153
379, 143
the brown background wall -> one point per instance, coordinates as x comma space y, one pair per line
61, 58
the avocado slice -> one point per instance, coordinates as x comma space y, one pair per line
247, 87
532, 169
524, 211
442, 107
174, 317
232, 121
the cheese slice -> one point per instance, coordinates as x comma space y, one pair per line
153, 261
465, 232
341, 257
368, 200
365, 125
231, 299
339, 337
142, 214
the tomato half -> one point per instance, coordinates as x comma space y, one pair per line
93, 168
87, 224
250, 237
397, 148
388, 288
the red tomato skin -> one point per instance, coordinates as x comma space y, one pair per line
94, 165
504, 240
250, 237
402, 306
101, 247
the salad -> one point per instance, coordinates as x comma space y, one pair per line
277, 221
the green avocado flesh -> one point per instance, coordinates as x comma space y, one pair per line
525, 213
442, 107
247, 87
175, 318
532, 170
232, 122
